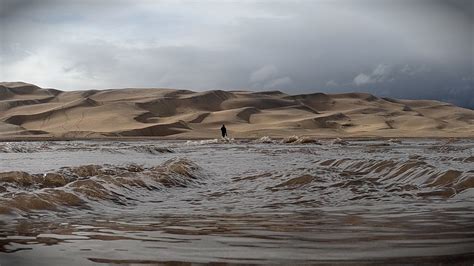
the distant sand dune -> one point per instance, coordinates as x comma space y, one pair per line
28, 110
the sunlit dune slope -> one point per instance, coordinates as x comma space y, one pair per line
30, 111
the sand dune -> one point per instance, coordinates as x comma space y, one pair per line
28, 111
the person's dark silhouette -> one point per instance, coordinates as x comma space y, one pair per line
223, 131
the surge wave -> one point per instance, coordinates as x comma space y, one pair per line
407, 178
82, 185
300, 140
27, 147
209, 141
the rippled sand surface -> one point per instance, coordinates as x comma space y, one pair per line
244, 202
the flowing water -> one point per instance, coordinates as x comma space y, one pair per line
244, 202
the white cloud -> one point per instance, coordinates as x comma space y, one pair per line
279, 83
263, 74
47, 68
332, 83
380, 73
381, 70
268, 77
363, 79
414, 70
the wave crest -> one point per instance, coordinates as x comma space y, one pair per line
88, 184
383, 178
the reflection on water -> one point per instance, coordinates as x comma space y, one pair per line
240, 202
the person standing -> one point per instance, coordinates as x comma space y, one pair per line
224, 131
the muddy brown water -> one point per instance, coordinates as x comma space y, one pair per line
243, 202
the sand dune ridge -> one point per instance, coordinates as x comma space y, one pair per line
28, 110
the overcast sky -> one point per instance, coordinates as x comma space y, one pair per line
403, 48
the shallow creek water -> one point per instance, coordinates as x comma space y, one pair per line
145, 202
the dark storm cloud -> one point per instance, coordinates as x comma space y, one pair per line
405, 49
